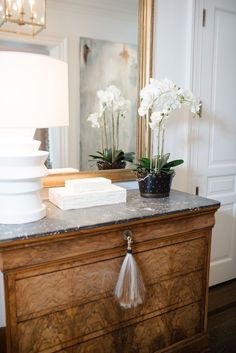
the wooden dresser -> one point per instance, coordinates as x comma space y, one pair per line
60, 274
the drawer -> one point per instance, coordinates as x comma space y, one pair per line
76, 285
148, 336
82, 244
105, 315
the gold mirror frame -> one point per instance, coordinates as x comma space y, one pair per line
145, 30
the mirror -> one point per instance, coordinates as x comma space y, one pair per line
73, 32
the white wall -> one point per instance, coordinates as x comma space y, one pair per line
93, 19
172, 59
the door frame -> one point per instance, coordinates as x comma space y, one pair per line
195, 86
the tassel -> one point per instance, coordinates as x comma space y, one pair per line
130, 289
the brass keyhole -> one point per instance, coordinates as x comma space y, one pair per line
127, 234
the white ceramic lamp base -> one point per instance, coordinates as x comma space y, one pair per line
20, 182
34, 94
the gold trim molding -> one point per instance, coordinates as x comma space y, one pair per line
146, 36
55, 180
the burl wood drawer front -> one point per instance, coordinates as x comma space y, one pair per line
75, 285
104, 315
80, 244
148, 336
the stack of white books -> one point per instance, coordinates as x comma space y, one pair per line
89, 192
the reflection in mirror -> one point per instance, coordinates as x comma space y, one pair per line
68, 22
110, 31
108, 91
12, 45
102, 53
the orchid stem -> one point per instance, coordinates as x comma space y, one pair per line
105, 130
162, 142
158, 148
151, 156
117, 130
113, 136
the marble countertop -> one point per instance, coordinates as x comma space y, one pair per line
136, 208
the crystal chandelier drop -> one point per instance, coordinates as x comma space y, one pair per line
27, 17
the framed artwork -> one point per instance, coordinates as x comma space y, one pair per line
102, 64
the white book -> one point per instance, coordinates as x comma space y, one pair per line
87, 184
66, 200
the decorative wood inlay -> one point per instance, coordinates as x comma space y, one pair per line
196, 344
105, 315
67, 286
148, 336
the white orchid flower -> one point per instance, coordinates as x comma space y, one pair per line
161, 98
105, 97
142, 111
116, 92
195, 106
164, 97
111, 105
175, 104
146, 103
156, 119
94, 118
188, 95
101, 96
122, 106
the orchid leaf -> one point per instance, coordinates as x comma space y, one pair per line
119, 156
163, 160
174, 163
158, 164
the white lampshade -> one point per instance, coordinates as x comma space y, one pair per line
33, 91
33, 94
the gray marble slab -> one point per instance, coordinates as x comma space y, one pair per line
136, 208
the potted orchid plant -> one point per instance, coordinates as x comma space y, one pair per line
158, 100
112, 108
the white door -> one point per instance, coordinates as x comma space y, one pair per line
213, 155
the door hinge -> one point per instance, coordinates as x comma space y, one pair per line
203, 17
197, 191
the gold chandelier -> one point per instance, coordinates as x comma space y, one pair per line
27, 17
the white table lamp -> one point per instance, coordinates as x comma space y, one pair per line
33, 94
